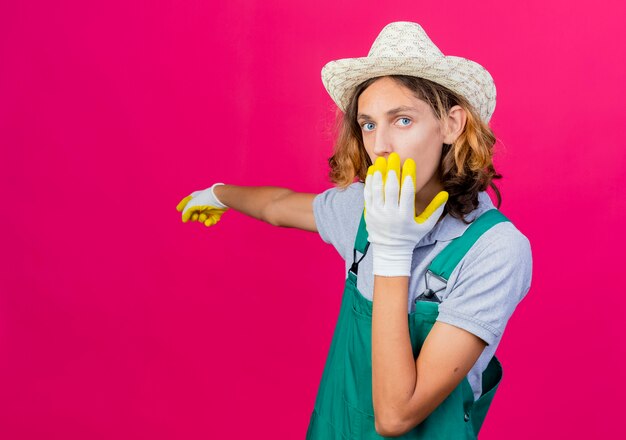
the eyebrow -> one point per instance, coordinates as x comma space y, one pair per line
393, 111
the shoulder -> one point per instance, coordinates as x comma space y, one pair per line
501, 255
504, 240
351, 191
339, 201
337, 212
489, 282
504, 233
501, 251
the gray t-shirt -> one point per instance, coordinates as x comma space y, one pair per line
483, 290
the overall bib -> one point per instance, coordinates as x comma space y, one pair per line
344, 407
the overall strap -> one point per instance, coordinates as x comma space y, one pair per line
361, 244
445, 262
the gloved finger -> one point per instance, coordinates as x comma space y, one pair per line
182, 203
187, 214
217, 215
367, 191
429, 223
434, 209
189, 209
407, 190
378, 195
392, 182
202, 216
378, 181
210, 221
193, 212
392, 189
381, 165
408, 170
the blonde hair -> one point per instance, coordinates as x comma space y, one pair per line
466, 166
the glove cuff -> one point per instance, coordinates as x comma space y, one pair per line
219, 203
392, 261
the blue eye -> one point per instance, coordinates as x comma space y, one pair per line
365, 125
405, 119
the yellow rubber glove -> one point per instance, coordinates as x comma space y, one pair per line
393, 228
202, 206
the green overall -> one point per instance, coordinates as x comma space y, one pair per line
344, 408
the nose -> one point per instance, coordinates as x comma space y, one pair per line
382, 143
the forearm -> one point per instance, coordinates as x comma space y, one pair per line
250, 200
393, 367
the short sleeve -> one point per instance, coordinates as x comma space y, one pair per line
337, 214
493, 277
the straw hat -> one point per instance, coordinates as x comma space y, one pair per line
403, 48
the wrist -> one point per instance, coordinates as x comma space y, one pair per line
219, 202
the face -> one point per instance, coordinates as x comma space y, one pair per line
393, 119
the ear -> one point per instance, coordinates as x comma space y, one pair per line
455, 123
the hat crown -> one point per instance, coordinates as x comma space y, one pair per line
404, 39
404, 48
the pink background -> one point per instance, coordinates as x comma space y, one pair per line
119, 321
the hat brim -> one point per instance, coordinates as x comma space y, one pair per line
463, 76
